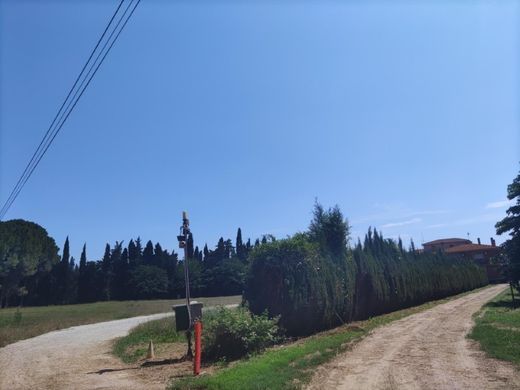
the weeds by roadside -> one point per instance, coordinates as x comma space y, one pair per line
134, 346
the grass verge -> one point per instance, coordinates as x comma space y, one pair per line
134, 346
18, 324
290, 367
497, 328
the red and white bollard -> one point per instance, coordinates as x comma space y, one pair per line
197, 326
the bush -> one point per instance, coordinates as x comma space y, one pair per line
233, 333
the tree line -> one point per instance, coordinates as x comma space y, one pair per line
317, 281
33, 273
511, 224
314, 279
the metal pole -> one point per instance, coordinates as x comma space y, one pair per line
186, 233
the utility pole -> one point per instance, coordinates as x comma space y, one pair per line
183, 244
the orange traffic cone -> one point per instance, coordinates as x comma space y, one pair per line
151, 353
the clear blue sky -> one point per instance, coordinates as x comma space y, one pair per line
405, 114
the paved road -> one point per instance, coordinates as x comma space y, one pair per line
428, 350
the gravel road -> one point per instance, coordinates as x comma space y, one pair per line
428, 350
78, 358
68, 358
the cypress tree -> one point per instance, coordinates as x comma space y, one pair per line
63, 274
83, 281
133, 254
138, 250
228, 249
189, 244
66, 252
206, 252
107, 269
148, 253
239, 245
120, 272
159, 256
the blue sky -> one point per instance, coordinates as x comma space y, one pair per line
405, 114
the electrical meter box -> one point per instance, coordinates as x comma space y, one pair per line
182, 321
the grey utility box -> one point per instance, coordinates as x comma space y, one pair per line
181, 315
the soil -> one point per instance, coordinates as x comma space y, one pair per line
428, 350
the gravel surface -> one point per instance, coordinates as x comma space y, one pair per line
428, 350
72, 358
78, 358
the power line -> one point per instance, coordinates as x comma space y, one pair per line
48, 138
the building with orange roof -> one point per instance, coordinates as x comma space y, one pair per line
480, 253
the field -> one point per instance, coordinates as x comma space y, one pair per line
18, 324
498, 328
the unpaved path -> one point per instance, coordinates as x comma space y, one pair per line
428, 350
76, 358
69, 358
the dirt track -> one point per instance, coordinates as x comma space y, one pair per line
428, 350
70, 359
78, 358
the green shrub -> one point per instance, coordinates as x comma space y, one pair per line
233, 333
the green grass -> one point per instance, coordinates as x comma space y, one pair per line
134, 346
292, 366
18, 324
497, 328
